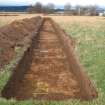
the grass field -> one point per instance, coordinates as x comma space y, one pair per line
89, 35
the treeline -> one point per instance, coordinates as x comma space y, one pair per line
91, 10
39, 8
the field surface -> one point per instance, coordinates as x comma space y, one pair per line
8, 19
89, 35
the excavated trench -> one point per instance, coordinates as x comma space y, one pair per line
49, 70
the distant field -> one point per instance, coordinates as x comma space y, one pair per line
89, 35
8, 19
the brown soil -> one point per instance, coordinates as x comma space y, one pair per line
13, 34
46, 73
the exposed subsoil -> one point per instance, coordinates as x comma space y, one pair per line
48, 76
14, 35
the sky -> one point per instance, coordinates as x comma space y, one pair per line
56, 2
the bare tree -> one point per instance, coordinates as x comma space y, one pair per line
78, 10
93, 10
38, 7
49, 8
86, 10
67, 8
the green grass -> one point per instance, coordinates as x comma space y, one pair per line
90, 47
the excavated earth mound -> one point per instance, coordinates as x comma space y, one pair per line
13, 35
